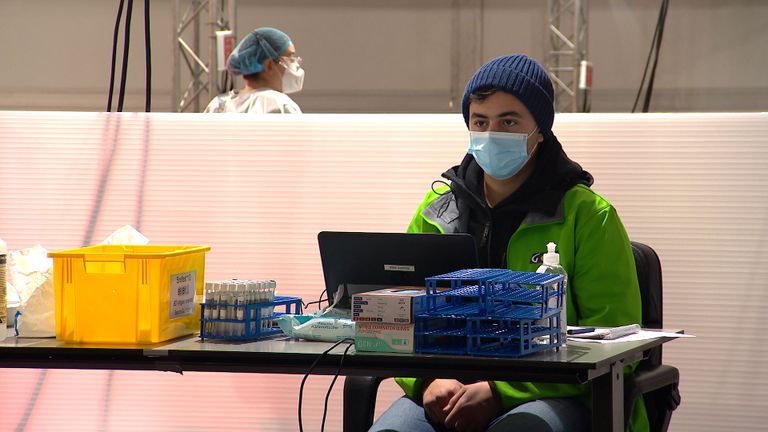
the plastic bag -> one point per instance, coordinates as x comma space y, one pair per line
31, 273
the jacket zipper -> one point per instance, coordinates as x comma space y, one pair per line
486, 243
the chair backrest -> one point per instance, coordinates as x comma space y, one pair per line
650, 281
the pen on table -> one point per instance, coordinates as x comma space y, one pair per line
621, 331
580, 330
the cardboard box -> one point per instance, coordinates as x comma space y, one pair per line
384, 337
389, 305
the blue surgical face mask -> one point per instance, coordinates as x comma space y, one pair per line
500, 154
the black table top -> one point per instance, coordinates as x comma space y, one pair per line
577, 362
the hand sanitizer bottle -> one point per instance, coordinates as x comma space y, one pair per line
552, 265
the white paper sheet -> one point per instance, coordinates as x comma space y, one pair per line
641, 335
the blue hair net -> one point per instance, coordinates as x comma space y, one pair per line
261, 44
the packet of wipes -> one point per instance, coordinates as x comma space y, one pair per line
310, 327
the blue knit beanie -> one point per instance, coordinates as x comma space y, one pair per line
261, 44
522, 77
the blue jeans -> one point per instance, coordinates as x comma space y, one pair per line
544, 415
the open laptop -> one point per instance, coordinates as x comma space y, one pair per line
364, 261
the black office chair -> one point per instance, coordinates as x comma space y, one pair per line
655, 382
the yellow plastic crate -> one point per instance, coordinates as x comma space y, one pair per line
128, 293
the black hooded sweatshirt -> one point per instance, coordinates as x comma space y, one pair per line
553, 174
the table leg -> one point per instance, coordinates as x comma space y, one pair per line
608, 400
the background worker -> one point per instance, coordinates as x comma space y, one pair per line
515, 191
267, 60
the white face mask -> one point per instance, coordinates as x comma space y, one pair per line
293, 78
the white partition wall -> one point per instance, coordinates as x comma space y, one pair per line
258, 190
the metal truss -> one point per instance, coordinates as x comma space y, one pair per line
567, 54
194, 42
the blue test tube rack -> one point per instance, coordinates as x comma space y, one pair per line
245, 322
490, 312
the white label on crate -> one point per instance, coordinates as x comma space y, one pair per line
182, 294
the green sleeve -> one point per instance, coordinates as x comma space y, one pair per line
516, 393
419, 224
412, 387
603, 281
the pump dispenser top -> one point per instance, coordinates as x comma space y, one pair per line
551, 264
551, 258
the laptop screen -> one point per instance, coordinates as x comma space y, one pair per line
365, 261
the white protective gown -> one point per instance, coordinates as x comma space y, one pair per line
259, 101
